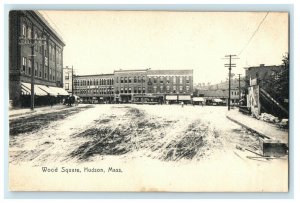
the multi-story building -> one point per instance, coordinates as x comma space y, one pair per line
261, 75
35, 50
68, 79
129, 83
171, 85
140, 85
94, 88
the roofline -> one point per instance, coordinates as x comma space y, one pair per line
36, 12
128, 70
108, 74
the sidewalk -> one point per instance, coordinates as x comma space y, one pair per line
265, 129
38, 110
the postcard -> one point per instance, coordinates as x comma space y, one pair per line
148, 101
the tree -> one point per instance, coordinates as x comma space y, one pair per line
280, 82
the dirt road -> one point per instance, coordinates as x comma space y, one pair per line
144, 141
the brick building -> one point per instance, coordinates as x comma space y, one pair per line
43, 59
138, 86
94, 88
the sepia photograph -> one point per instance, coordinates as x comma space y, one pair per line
148, 101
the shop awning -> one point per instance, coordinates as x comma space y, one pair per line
26, 89
48, 90
59, 91
184, 97
198, 99
217, 100
171, 97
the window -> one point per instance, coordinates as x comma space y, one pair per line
139, 79
180, 88
36, 69
50, 73
35, 37
117, 79
161, 80
125, 90
66, 86
134, 80
174, 89
139, 90
168, 88
40, 71
168, 80
24, 64
24, 31
29, 66
154, 89
125, 79
187, 88
122, 90
154, 80
29, 32
174, 80
129, 79
180, 80
121, 79
45, 73
143, 89
129, 90
187, 79
67, 76
46, 61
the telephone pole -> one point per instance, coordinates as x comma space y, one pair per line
230, 65
239, 87
32, 41
72, 81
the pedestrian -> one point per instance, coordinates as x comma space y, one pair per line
51, 101
182, 104
202, 104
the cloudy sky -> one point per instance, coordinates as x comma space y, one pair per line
100, 42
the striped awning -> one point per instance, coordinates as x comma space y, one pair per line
59, 91
26, 89
48, 90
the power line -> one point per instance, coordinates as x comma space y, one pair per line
254, 33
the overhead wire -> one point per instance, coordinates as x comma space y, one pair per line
253, 34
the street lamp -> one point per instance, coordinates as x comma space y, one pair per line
32, 42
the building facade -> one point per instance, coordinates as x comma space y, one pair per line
94, 88
261, 74
34, 49
136, 86
68, 79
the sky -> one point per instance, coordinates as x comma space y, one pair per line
103, 41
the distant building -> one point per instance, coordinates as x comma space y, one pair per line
129, 83
44, 60
94, 88
140, 85
261, 74
67, 79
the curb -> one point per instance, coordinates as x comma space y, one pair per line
249, 128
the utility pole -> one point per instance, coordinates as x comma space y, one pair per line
230, 65
72, 82
239, 87
32, 41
